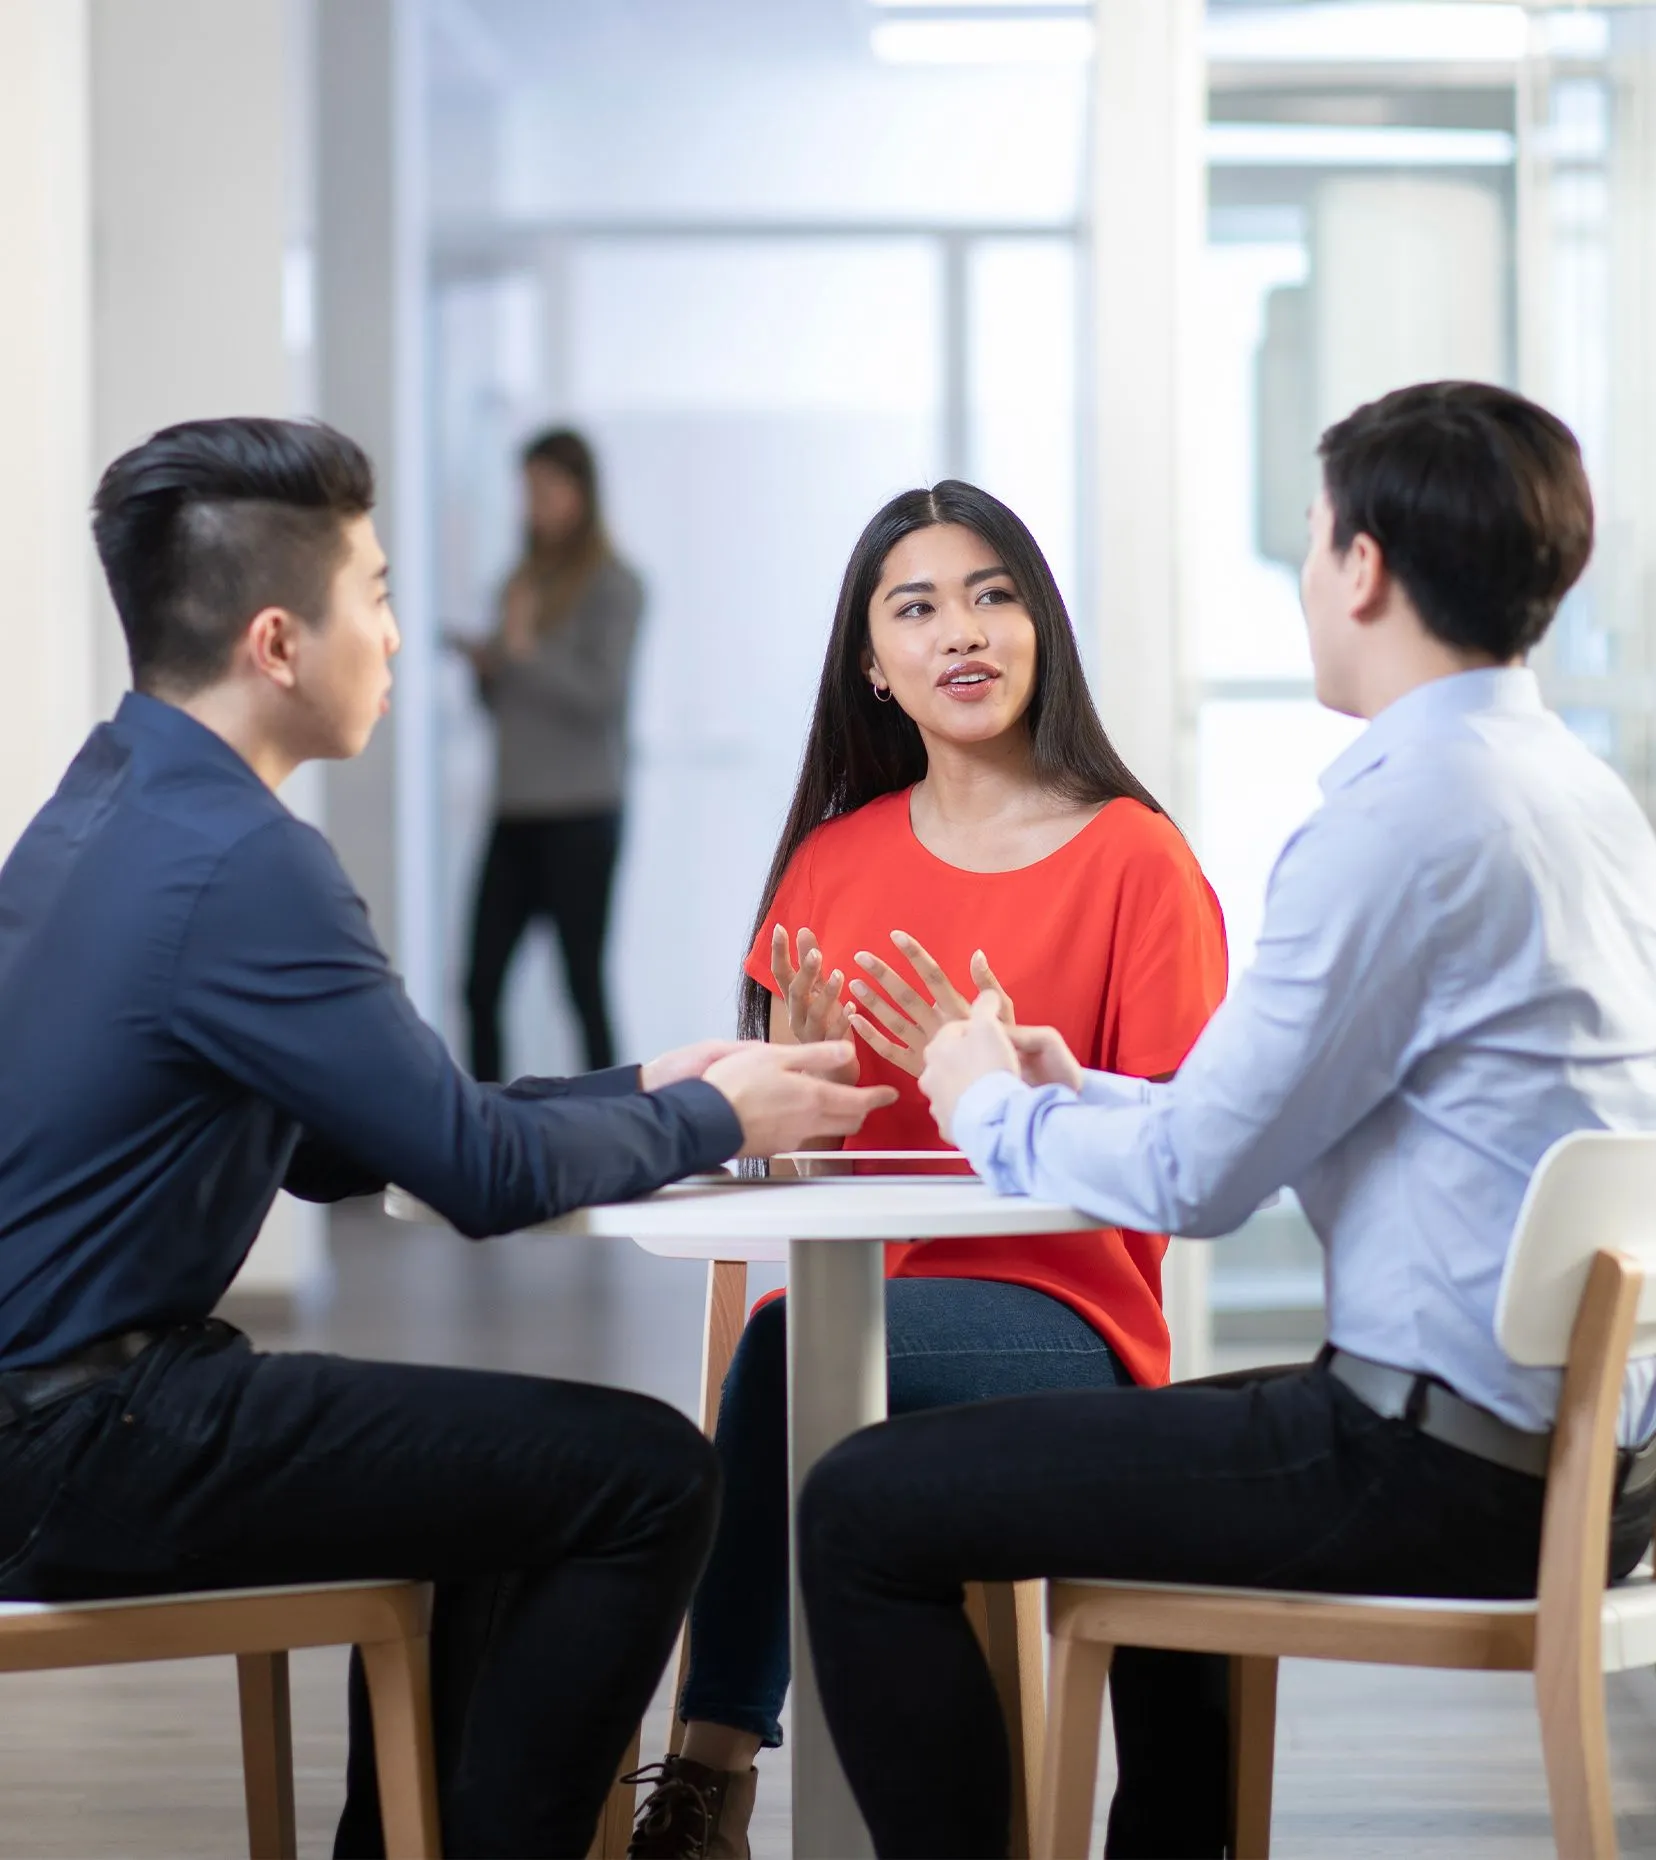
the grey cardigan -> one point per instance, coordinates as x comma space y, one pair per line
561, 714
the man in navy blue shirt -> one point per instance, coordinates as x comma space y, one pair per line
194, 1013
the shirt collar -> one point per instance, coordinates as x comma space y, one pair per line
1434, 709
177, 736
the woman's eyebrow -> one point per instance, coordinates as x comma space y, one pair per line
930, 587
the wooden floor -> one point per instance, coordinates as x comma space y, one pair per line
145, 1762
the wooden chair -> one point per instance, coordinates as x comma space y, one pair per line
389, 1621
1006, 1616
1573, 1295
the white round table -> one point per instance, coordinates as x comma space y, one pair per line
833, 1230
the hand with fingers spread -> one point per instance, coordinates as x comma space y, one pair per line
900, 1024
814, 1003
788, 1097
964, 1052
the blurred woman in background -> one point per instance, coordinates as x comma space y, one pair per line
554, 674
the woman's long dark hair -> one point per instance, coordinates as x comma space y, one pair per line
859, 748
558, 574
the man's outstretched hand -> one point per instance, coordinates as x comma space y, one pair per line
785, 1097
1044, 1058
963, 1052
968, 1050
684, 1062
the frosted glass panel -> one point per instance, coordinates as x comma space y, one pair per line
1257, 763
1022, 391
753, 402
836, 326
1246, 620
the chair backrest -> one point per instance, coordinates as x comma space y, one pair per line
1592, 1192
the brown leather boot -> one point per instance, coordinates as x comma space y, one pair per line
692, 1812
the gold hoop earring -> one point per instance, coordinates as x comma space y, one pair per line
882, 693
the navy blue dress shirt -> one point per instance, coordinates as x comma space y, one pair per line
194, 1013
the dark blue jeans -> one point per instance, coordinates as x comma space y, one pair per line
947, 1341
563, 1526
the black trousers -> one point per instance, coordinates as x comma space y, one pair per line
1284, 1482
564, 1527
560, 870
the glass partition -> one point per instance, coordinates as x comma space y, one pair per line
1403, 192
754, 397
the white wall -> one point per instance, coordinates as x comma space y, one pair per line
46, 564
189, 144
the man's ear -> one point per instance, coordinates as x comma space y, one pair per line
270, 643
1368, 578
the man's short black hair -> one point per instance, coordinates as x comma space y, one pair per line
1478, 500
208, 522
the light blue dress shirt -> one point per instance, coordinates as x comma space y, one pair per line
1457, 967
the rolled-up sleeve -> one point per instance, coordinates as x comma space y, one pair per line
1318, 1031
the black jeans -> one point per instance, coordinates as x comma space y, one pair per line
564, 1527
1284, 1482
561, 870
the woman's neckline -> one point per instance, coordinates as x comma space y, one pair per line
906, 798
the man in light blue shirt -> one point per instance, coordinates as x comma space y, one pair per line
1457, 967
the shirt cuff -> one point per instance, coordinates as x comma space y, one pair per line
978, 1118
611, 1082
716, 1130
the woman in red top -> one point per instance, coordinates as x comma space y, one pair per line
961, 822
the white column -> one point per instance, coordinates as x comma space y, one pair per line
373, 289
1148, 183
1148, 190
1625, 481
198, 182
46, 562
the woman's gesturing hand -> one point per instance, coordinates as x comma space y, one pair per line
901, 1023
814, 1004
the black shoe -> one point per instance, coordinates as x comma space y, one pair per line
692, 1812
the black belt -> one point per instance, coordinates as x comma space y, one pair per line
22, 1391
1436, 1410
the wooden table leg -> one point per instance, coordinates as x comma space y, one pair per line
721, 1332
836, 1384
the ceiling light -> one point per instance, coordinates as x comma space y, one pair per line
983, 41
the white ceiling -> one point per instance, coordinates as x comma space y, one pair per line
541, 40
